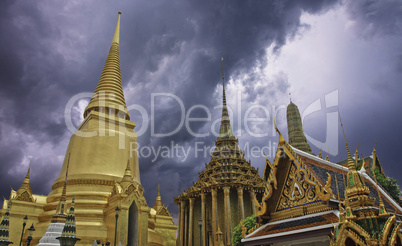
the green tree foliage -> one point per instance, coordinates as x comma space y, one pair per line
249, 223
389, 184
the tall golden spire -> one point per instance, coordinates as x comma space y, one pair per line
60, 216
356, 187
25, 187
108, 96
225, 131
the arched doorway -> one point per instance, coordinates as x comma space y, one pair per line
132, 225
398, 242
349, 242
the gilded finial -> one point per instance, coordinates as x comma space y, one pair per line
357, 153
29, 171
319, 153
281, 139
116, 37
351, 164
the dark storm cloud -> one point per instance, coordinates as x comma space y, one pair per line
54, 51
196, 38
376, 17
30, 71
380, 22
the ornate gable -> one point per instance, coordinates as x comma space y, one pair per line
163, 211
24, 196
298, 186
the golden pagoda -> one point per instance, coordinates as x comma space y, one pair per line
223, 195
103, 175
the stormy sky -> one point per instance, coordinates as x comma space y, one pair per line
331, 56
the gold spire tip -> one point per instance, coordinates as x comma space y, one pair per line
116, 37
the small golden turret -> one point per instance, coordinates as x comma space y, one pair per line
127, 178
158, 201
24, 193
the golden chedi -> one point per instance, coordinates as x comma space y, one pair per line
101, 171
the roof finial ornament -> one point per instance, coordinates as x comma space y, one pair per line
327, 158
29, 171
357, 153
290, 97
351, 164
281, 139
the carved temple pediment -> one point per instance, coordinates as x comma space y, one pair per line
25, 196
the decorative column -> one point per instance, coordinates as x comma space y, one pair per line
186, 225
226, 192
241, 202
190, 223
181, 223
214, 213
252, 195
204, 220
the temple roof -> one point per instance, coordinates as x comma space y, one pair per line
320, 168
285, 212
